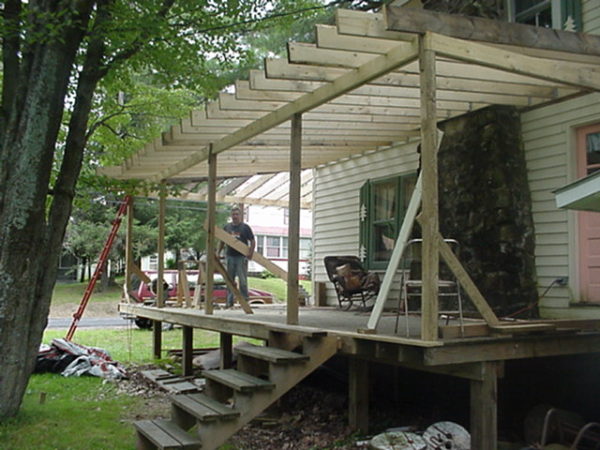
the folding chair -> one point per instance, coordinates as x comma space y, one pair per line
448, 286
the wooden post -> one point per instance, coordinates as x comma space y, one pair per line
187, 346
294, 220
157, 339
160, 302
210, 233
429, 168
484, 408
161, 245
358, 402
226, 341
129, 250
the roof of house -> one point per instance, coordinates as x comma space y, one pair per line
358, 89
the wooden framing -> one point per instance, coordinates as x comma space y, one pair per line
129, 249
370, 81
210, 236
429, 215
294, 220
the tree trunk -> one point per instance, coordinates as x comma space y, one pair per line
29, 254
83, 265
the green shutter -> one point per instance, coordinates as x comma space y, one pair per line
364, 219
570, 13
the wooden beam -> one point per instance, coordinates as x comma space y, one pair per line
496, 31
157, 339
210, 235
467, 283
162, 201
129, 263
358, 395
484, 408
399, 246
187, 335
231, 286
373, 69
294, 220
429, 215
226, 346
257, 257
574, 74
141, 275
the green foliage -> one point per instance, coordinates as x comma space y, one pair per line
266, 274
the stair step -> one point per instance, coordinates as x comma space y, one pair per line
203, 407
238, 381
272, 354
166, 435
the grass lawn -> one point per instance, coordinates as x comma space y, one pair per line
83, 413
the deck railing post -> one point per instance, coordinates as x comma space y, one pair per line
210, 233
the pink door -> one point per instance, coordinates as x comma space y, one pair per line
588, 161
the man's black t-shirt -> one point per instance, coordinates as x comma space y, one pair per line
242, 232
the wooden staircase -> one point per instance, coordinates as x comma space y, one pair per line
233, 397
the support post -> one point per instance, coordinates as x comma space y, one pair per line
226, 344
429, 168
187, 347
129, 250
160, 301
157, 339
210, 233
358, 402
162, 199
294, 220
484, 408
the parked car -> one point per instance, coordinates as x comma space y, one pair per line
146, 292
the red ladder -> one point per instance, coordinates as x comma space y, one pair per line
99, 267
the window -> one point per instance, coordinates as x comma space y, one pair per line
558, 14
382, 207
260, 244
305, 248
273, 250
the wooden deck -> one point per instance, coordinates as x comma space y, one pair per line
479, 358
526, 341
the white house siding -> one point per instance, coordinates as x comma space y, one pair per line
590, 11
549, 141
336, 202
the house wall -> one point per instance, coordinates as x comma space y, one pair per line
590, 11
549, 141
336, 203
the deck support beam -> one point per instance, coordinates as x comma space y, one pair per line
160, 299
294, 219
210, 233
429, 214
187, 345
484, 408
129, 250
358, 393
226, 346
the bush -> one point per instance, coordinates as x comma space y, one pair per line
265, 274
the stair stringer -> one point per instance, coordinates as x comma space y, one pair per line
285, 377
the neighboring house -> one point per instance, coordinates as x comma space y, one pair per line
270, 226
562, 144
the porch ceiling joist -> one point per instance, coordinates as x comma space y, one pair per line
358, 88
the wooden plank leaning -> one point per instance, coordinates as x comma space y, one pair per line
467, 283
257, 257
232, 287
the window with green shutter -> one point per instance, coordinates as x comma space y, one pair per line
383, 204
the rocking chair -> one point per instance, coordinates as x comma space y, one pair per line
351, 281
